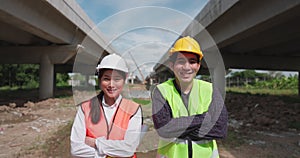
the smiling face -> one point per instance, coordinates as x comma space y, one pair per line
111, 83
185, 67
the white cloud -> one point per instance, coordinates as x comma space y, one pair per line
121, 4
136, 18
144, 30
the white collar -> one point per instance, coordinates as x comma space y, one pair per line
116, 103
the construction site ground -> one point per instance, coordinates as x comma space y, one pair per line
260, 126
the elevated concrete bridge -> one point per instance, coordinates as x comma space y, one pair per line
248, 34
262, 35
47, 32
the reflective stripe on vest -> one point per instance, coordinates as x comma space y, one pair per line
116, 129
199, 101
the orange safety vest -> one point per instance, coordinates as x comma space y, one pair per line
116, 129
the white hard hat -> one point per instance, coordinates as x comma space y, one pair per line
113, 61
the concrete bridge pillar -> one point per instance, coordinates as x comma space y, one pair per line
218, 78
46, 77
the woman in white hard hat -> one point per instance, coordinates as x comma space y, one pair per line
107, 125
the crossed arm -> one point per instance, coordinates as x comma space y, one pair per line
209, 125
82, 146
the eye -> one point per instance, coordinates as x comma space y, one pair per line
105, 79
117, 79
181, 62
193, 61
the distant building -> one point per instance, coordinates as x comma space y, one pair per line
133, 79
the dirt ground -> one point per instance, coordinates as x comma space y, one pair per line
259, 126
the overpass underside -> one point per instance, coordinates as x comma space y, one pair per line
48, 33
246, 34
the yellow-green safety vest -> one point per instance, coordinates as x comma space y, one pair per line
199, 101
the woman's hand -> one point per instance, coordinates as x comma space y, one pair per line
90, 142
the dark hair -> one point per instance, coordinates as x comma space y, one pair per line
95, 112
173, 57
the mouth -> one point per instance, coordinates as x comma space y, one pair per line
186, 74
111, 90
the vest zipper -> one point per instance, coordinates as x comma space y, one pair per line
190, 148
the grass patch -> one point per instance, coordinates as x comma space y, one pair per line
59, 144
141, 101
289, 92
286, 95
8, 88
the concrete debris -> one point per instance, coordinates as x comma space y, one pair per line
4, 108
35, 128
256, 142
270, 134
148, 121
26, 112
12, 105
248, 124
29, 104
1, 131
16, 113
235, 124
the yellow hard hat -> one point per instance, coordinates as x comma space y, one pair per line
186, 44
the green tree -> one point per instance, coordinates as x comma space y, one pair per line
248, 74
20, 75
62, 79
8, 73
27, 75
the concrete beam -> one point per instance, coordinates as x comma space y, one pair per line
12, 34
237, 24
32, 54
89, 53
92, 35
212, 10
40, 19
273, 38
71, 10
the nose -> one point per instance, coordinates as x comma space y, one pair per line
111, 83
187, 66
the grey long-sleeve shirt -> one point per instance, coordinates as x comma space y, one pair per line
209, 125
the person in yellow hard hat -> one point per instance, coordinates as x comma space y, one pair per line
188, 114
107, 125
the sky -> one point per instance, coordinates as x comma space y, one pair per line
141, 31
